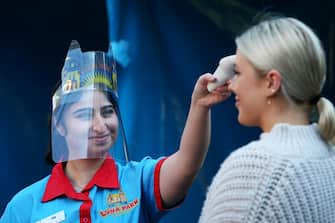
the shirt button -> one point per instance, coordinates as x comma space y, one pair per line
85, 219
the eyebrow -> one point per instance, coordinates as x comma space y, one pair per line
82, 110
107, 106
90, 109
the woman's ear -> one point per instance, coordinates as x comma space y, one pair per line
273, 78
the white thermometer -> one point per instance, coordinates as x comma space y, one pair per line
223, 72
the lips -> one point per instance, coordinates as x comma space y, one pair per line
237, 101
100, 139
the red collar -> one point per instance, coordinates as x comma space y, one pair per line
58, 183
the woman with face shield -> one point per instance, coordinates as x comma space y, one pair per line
86, 128
88, 184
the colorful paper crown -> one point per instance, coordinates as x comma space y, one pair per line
86, 70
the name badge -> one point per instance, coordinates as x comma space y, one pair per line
55, 218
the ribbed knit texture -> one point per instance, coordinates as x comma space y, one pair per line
286, 176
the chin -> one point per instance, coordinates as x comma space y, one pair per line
99, 150
97, 153
240, 120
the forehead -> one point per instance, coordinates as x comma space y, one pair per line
240, 58
242, 61
92, 98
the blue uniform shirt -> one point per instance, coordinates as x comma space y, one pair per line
117, 193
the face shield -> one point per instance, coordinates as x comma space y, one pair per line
86, 121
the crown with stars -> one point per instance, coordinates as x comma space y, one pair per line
86, 70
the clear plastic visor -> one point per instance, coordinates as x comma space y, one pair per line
85, 125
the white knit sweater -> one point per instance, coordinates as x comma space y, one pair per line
286, 176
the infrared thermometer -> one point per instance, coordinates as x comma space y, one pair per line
223, 72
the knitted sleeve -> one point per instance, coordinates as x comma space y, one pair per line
234, 188
298, 190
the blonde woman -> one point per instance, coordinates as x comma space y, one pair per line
288, 174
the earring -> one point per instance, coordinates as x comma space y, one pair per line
269, 102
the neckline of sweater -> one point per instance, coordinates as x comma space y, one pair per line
296, 140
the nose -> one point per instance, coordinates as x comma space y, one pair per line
230, 84
98, 124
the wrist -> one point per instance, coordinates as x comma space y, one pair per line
197, 105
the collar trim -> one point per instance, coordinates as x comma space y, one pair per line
59, 184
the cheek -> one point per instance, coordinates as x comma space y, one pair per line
244, 86
79, 129
250, 110
112, 124
237, 86
251, 99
